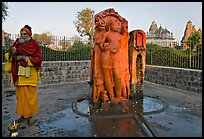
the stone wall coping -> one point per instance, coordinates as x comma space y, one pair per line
176, 68
65, 61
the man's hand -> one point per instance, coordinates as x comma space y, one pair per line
13, 50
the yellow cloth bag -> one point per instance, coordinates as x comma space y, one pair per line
7, 67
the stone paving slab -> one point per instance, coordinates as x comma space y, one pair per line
183, 114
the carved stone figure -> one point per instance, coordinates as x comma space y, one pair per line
101, 92
117, 59
110, 55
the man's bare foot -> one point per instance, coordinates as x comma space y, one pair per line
20, 119
30, 121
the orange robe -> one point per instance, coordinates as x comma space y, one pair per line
26, 93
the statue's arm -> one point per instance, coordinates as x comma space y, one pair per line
101, 45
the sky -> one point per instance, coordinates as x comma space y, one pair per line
57, 17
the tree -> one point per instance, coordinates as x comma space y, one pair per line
194, 44
194, 41
85, 24
4, 10
43, 39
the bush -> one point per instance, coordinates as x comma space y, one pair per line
78, 51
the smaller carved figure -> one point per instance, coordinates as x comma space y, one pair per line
100, 89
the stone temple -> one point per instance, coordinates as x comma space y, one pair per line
160, 36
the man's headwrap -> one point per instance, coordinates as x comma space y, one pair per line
27, 29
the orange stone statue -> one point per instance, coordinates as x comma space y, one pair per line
109, 58
110, 73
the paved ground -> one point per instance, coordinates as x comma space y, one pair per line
56, 118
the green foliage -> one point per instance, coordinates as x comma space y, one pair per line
43, 39
79, 51
164, 56
4, 11
178, 47
194, 40
85, 23
78, 44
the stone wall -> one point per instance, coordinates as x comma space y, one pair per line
73, 71
186, 79
57, 72
63, 72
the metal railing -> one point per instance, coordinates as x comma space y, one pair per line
174, 58
57, 48
80, 50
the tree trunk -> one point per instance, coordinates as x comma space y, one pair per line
91, 40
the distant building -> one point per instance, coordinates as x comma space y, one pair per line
189, 30
160, 36
6, 39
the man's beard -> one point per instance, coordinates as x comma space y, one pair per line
22, 40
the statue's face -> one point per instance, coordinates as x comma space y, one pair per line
115, 26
